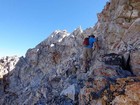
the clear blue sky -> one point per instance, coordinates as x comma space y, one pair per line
25, 23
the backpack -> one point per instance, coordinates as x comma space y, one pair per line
86, 42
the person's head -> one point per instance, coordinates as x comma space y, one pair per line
92, 36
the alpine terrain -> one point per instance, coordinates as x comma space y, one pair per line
52, 72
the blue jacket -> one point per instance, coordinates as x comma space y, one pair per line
91, 41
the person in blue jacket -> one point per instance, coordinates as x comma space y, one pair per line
88, 51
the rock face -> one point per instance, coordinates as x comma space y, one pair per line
7, 64
52, 72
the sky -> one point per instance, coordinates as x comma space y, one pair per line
25, 23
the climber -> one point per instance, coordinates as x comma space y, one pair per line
88, 49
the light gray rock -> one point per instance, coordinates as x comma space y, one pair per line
51, 73
70, 92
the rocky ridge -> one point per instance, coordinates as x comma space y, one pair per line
52, 72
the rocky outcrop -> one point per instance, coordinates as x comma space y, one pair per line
118, 29
124, 91
7, 64
52, 72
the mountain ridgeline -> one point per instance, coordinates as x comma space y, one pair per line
52, 72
